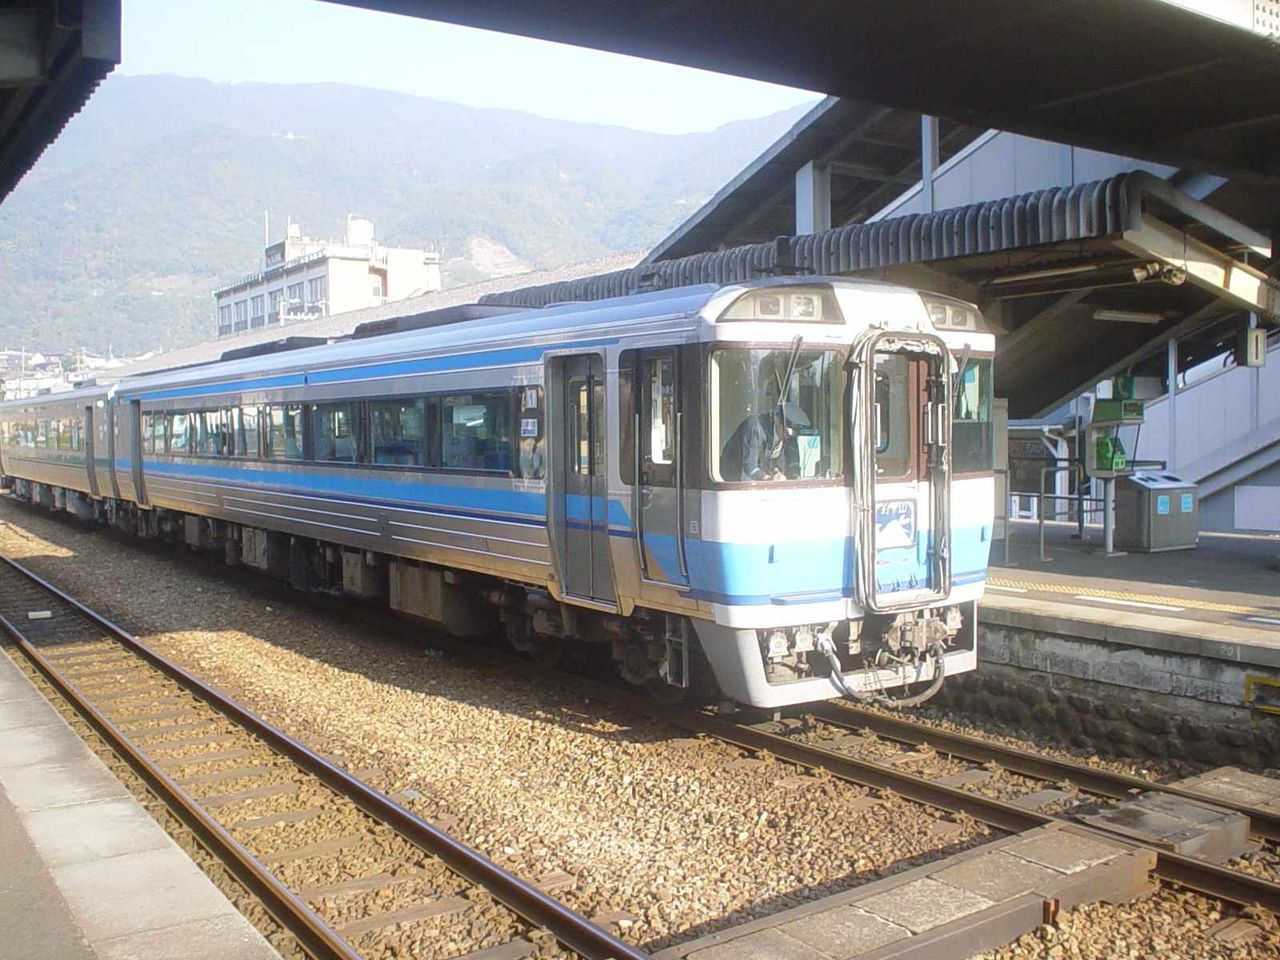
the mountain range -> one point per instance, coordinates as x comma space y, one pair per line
155, 194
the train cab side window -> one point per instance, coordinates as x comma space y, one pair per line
246, 432
284, 431
475, 430
333, 429
398, 432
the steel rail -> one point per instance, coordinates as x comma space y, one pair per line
312, 933
1193, 873
570, 928
1107, 783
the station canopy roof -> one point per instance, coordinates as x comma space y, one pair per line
1141, 78
53, 55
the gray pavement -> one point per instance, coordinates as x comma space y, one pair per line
87, 872
1229, 581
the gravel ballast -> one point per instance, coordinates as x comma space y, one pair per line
667, 838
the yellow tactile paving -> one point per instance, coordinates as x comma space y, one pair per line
1124, 595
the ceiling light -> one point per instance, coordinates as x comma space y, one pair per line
1128, 316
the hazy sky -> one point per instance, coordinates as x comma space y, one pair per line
304, 41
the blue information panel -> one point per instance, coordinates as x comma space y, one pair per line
1162, 504
1188, 502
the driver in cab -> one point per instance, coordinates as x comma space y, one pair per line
762, 447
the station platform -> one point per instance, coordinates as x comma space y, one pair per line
87, 873
1200, 627
1228, 579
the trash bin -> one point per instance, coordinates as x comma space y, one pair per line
1156, 510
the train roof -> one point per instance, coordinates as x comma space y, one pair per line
483, 332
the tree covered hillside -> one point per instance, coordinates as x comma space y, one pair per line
155, 194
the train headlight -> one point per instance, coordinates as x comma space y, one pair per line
788, 304
947, 313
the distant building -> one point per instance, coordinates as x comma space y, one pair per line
303, 279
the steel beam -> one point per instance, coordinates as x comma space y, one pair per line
21, 49
1208, 268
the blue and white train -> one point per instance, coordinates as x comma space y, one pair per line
783, 486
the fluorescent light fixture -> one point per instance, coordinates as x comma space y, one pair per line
1128, 316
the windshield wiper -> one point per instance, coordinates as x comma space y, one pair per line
784, 386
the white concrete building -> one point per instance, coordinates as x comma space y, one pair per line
303, 278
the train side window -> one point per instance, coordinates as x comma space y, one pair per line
398, 432
148, 433
333, 429
212, 436
246, 432
475, 430
533, 442
42, 434
972, 441
179, 433
284, 431
658, 420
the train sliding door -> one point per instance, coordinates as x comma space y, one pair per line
659, 490
580, 487
90, 451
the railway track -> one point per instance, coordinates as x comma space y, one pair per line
778, 740
339, 865
1109, 784
1202, 876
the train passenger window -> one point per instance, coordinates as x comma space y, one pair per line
179, 433
333, 427
76, 443
533, 443
42, 434
398, 432
284, 431
972, 441
148, 433
246, 432
213, 437
475, 430
160, 426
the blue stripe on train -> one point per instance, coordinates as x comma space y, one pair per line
720, 572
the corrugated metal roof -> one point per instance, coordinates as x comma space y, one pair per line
1046, 216
1100, 209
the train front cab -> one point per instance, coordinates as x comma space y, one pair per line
775, 573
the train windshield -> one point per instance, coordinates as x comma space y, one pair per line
760, 435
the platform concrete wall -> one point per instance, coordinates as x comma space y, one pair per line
1123, 689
